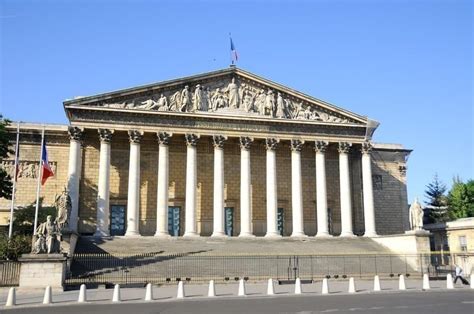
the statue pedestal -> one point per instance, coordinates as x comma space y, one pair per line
68, 242
41, 270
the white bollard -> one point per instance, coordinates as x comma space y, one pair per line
426, 282
11, 299
352, 288
48, 298
82, 294
449, 281
242, 291
472, 281
325, 288
116, 296
212, 289
401, 283
377, 283
270, 288
149, 292
298, 286
180, 293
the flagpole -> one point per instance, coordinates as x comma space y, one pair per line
10, 230
38, 187
231, 57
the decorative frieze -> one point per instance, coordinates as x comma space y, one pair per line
245, 142
320, 146
191, 139
27, 169
75, 133
105, 135
344, 147
271, 143
297, 145
164, 137
218, 141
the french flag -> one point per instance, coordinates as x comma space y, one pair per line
233, 52
47, 172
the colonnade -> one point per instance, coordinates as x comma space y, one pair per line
132, 224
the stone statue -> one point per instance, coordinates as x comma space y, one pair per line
63, 206
162, 104
247, 101
197, 98
416, 216
260, 102
185, 100
233, 92
47, 237
280, 110
206, 99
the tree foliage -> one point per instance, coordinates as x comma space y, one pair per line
12, 249
5, 179
436, 209
461, 199
25, 217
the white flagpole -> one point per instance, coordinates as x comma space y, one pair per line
10, 230
38, 187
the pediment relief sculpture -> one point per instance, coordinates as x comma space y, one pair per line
230, 96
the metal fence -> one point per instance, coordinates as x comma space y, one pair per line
9, 273
160, 269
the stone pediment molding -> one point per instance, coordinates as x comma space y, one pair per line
230, 92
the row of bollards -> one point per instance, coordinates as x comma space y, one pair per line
48, 296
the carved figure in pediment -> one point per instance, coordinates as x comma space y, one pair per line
260, 101
288, 108
280, 107
147, 104
307, 113
298, 112
206, 99
242, 91
233, 94
218, 100
162, 103
198, 98
247, 101
315, 116
269, 104
185, 99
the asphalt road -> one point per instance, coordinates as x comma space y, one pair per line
406, 302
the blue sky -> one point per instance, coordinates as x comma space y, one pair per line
407, 64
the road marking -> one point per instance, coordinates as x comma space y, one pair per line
467, 302
330, 310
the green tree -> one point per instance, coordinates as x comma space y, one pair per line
436, 209
25, 217
461, 199
5, 179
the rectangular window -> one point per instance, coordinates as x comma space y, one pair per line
377, 182
463, 243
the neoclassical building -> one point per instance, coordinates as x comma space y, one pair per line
225, 153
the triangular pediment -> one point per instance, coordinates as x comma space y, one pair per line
230, 92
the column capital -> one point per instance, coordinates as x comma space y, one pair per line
191, 139
297, 145
366, 148
245, 142
344, 147
320, 146
271, 143
164, 137
218, 141
75, 133
135, 136
105, 135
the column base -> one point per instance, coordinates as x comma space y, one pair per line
246, 235
272, 235
132, 234
219, 235
163, 235
372, 234
101, 233
298, 235
323, 235
347, 234
191, 235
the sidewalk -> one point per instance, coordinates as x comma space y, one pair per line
34, 297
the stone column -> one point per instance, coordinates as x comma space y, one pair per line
296, 189
345, 190
162, 191
74, 173
245, 200
219, 228
369, 211
191, 184
133, 201
103, 187
272, 198
321, 190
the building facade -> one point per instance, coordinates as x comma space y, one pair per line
225, 153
